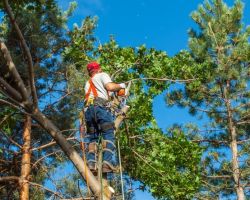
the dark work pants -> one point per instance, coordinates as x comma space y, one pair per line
95, 117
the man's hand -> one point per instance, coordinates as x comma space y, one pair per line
122, 85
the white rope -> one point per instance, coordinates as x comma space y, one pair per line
120, 163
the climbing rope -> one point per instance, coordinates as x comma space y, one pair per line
120, 165
100, 161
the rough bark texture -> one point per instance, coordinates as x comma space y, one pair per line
235, 163
26, 157
234, 148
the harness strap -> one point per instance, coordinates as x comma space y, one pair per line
107, 125
92, 89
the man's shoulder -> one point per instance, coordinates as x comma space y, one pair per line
102, 75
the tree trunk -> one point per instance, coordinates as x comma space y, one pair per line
26, 156
234, 148
235, 165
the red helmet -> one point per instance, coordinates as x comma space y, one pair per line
93, 66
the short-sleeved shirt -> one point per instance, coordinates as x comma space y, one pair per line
99, 80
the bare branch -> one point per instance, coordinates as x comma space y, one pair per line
61, 98
162, 79
211, 141
12, 141
44, 188
26, 51
49, 144
219, 177
47, 155
243, 122
243, 141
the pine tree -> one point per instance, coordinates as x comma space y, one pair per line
44, 35
220, 47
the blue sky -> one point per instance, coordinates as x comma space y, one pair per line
161, 24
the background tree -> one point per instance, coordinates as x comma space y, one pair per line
220, 47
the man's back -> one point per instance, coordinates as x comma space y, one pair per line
99, 80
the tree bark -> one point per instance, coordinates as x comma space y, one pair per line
234, 148
26, 157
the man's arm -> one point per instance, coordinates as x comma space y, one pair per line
113, 87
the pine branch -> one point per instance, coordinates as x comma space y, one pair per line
14, 73
26, 51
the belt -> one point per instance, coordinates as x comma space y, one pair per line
97, 102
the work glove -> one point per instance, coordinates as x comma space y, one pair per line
121, 92
122, 85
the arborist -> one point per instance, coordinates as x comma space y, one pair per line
99, 119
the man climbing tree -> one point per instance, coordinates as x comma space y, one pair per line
99, 119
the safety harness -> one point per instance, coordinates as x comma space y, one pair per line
92, 89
